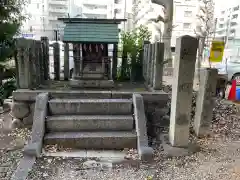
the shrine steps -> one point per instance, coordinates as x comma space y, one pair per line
91, 124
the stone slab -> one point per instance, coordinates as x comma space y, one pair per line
33, 149
93, 140
145, 152
90, 106
30, 95
171, 151
91, 83
24, 167
76, 123
40, 113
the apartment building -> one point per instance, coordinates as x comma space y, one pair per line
42, 18
228, 29
184, 18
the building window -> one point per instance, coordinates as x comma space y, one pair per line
233, 24
236, 8
235, 16
222, 12
38, 6
232, 31
220, 25
186, 25
187, 13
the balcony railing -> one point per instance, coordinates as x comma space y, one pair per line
56, 2
57, 10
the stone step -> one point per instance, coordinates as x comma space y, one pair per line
73, 123
92, 140
97, 83
90, 106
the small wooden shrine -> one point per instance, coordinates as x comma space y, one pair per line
91, 39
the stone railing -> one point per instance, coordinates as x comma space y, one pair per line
153, 65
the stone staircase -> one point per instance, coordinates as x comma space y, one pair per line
91, 123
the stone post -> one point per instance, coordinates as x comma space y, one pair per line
115, 61
45, 45
23, 56
32, 66
182, 87
144, 60
37, 62
56, 56
66, 61
158, 66
149, 63
41, 62
153, 59
76, 58
205, 101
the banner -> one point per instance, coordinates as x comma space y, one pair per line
216, 53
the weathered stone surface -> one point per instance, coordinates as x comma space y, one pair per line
24, 167
145, 152
93, 140
79, 123
40, 113
29, 119
33, 149
182, 88
20, 110
90, 106
16, 123
7, 104
26, 94
158, 66
205, 101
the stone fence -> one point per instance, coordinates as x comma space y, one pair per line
32, 62
153, 56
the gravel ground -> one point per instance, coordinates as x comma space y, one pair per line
11, 145
218, 159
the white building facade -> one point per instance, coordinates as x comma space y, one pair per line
184, 18
228, 29
43, 15
42, 18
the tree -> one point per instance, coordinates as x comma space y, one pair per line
132, 46
205, 28
11, 18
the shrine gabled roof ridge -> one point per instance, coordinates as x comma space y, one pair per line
91, 20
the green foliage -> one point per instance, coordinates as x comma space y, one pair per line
132, 44
11, 19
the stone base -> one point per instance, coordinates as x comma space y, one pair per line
171, 151
91, 83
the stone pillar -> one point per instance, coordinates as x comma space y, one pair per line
66, 61
153, 59
205, 101
56, 56
45, 45
144, 60
37, 62
76, 58
183, 74
33, 65
158, 66
115, 62
23, 55
41, 62
149, 63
